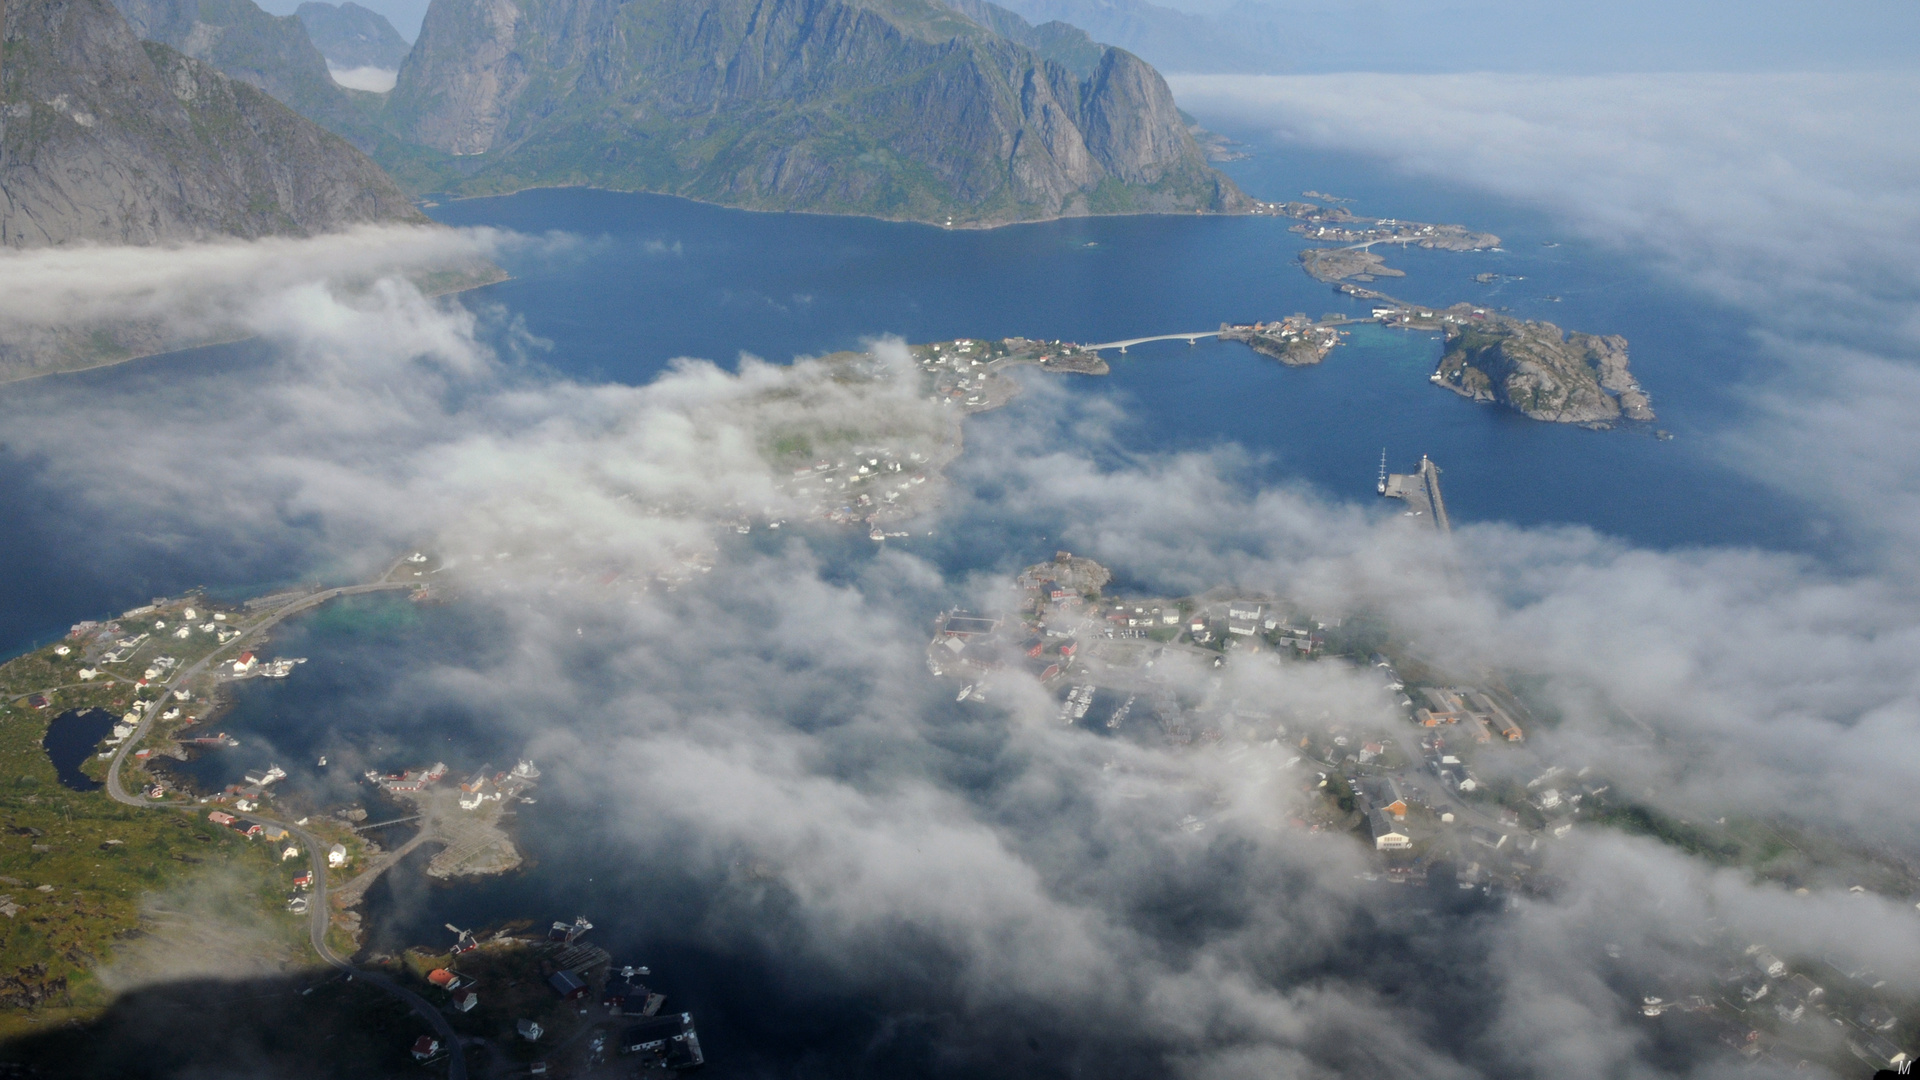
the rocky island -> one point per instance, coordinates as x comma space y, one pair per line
1541, 371
1295, 341
1356, 235
1338, 264
1534, 368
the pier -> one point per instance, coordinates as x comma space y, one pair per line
1421, 491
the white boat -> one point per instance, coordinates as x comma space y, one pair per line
323, 761
965, 694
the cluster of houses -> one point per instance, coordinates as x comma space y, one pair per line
632, 1007
251, 830
483, 787
858, 489
1758, 1002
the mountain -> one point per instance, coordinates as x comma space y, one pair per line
1064, 44
105, 138
350, 36
271, 52
894, 108
1247, 39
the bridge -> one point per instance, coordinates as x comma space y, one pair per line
1122, 345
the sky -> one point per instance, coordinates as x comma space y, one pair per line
1026, 896
1577, 38
1501, 35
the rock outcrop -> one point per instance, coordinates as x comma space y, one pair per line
350, 36
108, 139
906, 109
1537, 369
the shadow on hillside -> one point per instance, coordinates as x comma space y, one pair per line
304, 1024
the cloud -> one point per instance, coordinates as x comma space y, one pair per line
1758, 188
82, 283
1790, 197
379, 80
762, 736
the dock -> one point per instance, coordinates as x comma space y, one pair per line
1420, 490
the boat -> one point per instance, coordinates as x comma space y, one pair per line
323, 761
964, 694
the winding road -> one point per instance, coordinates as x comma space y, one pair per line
320, 917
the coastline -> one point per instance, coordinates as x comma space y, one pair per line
1253, 209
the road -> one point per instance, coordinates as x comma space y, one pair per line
1122, 345
319, 910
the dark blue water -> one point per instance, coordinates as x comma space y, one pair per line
665, 278
71, 739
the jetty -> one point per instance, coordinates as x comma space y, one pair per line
1420, 489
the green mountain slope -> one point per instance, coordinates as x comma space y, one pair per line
894, 108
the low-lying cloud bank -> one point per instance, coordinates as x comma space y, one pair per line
1760, 188
78, 307
1013, 896
1793, 197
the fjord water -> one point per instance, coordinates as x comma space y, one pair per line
654, 278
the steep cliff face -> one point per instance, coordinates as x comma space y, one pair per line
108, 139
271, 52
898, 108
350, 36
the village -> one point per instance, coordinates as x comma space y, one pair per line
1434, 776
527, 1003
880, 481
